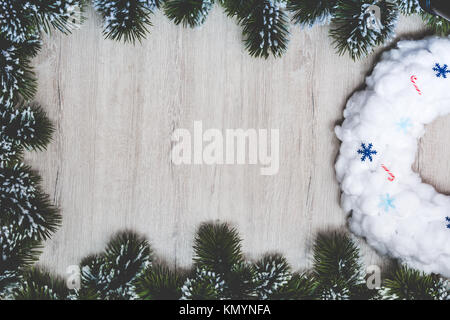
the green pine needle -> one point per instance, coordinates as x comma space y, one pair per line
409, 284
62, 15
237, 8
27, 125
336, 268
191, 13
203, 285
94, 283
408, 7
30, 209
40, 285
111, 275
17, 253
159, 283
217, 248
272, 275
310, 12
127, 252
126, 20
438, 25
350, 29
299, 287
265, 29
24, 126
42, 128
16, 74
240, 283
19, 18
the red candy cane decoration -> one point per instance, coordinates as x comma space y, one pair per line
413, 80
387, 170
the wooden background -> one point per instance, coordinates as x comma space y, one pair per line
115, 107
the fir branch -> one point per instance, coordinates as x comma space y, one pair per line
37, 129
23, 202
272, 274
159, 283
438, 25
311, 12
408, 7
237, 8
337, 268
21, 18
94, 281
265, 29
16, 75
350, 27
40, 285
191, 13
62, 15
203, 285
23, 126
126, 20
111, 275
17, 252
217, 248
16, 20
299, 287
128, 254
408, 284
241, 282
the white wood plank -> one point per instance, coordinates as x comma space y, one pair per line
115, 107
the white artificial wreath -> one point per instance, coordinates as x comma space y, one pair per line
390, 206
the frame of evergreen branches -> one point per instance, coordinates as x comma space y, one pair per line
126, 269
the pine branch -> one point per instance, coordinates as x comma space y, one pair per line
351, 31
159, 283
299, 287
311, 12
40, 285
62, 15
16, 20
191, 13
408, 7
21, 18
36, 126
265, 29
438, 25
17, 252
409, 284
23, 126
126, 20
336, 269
272, 275
94, 281
237, 8
16, 75
128, 254
241, 282
111, 275
23, 202
217, 248
203, 285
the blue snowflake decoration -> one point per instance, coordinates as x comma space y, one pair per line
366, 152
448, 220
404, 124
387, 202
441, 71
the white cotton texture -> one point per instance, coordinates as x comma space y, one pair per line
404, 218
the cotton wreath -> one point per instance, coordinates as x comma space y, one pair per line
390, 206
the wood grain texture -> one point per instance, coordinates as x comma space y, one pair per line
115, 107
